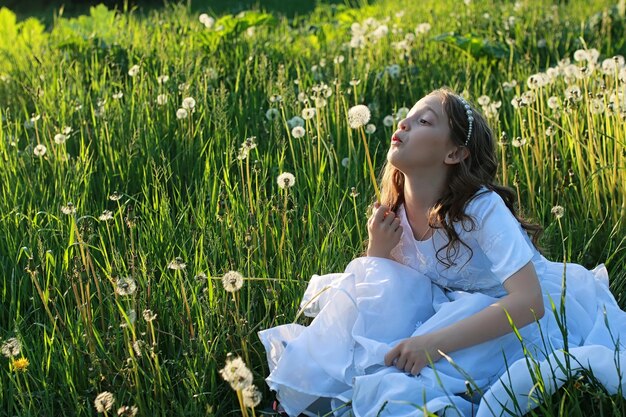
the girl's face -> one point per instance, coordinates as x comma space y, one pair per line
422, 140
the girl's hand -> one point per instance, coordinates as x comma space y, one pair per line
413, 354
384, 231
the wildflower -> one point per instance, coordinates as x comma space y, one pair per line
134, 70
60, 138
138, 347
104, 401
115, 196
518, 142
297, 132
162, 79
597, 106
40, 150
276, 98
509, 85
354, 82
295, 121
308, 113
249, 143
11, 347
125, 286
251, 396
272, 114
66, 130
69, 208
302, 97
388, 121
353, 192
20, 364
177, 264
358, 116
161, 99
118, 95
236, 373
206, 20
338, 59
550, 131
370, 128
558, 211
106, 215
182, 87
181, 113
232, 281
148, 315
345, 162
286, 180
189, 103
573, 92
126, 410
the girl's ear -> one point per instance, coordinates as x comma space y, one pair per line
456, 155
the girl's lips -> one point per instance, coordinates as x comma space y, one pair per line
395, 139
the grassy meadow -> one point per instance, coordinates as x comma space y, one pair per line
140, 156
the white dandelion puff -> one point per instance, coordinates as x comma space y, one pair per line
295, 121
134, 70
11, 347
298, 132
237, 374
132, 317
162, 79
104, 401
232, 281
206, 20
518, 142
177, 264
308, 113
388, 121
60, 138
148, 315
162, 99
40, 150
125, 286
182, 113
189, 103
118, 95
66, 130
483, 100
251, 396
69, 208
115, 196
127, 410
106, 216
558, 211
272, 114
345, 162
358, 116
401, 113
370, 129
286, 180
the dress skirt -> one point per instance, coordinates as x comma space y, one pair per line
335, 365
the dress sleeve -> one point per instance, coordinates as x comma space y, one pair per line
499, 235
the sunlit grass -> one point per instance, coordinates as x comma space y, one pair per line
170, 203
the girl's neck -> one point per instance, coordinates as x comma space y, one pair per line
421, 193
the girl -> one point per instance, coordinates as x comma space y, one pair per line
452, 300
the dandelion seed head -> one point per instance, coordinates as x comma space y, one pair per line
358, 116
132, 317
118, 95
232, 281
60, 138
388, 121
370, 128
182, 113
138, 347
237, 374
148, 315
115, 196
162, 99
554, 102
251, 396
298, 132
162, 79
40, 150
401, 113
11, 347
106, 216
104, 401
206, 20
483, 100
558, 212
125, 286
345, 162
272, 114
189, 103
134, 70
249, 143
353, 192
320, 102
339, 59
308, 113
127, 411
69, 208
422, 28
295, 121
518, 142
286, 180
177, 264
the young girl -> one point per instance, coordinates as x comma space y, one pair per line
452, 300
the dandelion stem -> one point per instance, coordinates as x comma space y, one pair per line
370, 165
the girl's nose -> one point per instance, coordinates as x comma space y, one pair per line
403, 125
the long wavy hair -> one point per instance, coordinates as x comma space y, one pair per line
464, 180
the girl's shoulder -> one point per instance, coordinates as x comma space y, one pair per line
483, 202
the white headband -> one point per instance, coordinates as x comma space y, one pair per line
470, 118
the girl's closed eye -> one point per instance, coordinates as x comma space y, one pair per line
424, 122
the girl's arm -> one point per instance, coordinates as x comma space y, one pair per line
523, 304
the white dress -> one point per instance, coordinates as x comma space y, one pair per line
337, 362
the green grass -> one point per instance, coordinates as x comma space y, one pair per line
184, 193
